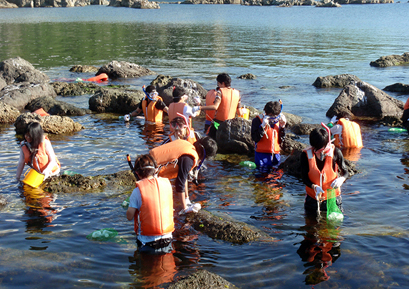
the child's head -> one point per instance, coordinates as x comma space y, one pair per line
206, 147
178, 93
179, 127
224, 78
272, 108
151, 91
34, 134
319, 138
145, 166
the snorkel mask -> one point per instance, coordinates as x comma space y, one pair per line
327, 150
186, 125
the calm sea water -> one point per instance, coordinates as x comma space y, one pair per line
43, 235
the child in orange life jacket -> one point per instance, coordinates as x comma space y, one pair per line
177, 159
267, 131
180, 130
222, 103
347, 133
151, 207
179, 105
322, 168
37, 151
151, 105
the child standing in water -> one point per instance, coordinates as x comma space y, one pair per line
267, 131
37, 151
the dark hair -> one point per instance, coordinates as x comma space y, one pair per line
208, 144
319, 138
141, 163
177, 124
177, 94
36, 132
150, 88
272, 108
224, 78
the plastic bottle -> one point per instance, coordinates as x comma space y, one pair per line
249, 164
69, 173
397, 129
126, 119
125, 203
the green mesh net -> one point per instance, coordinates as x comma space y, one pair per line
334, 214
102, 234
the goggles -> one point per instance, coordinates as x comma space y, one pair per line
154, 94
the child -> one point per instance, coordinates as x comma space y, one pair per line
180, 106
267, 131
151, 105
320, 165
180, 130
151, 207
37, 151
347, 133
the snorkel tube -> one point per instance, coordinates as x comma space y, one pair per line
187, 124
128, 158
147, 94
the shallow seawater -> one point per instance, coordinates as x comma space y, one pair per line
43, 236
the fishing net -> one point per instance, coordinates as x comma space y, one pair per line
334, 214
102, 234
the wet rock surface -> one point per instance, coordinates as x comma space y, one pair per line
223, 228
202, 279
234, 136
398, 87
365, 100
75, 88
340, 80
8, 114
247, 76
123, 69
391, 60
51, 123
56, 107
16, 70
84, 68
115, 100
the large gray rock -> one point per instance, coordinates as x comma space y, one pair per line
202, 279
123, 69
16, 70
328, 4
234, 136
55, 107
391, 60
365, 100
20, 94
5, 4
335, 80
140, 4
304, 128
51, 123
398, 87
292, 119
43, 3
115, 100
8, 114
164, 85
2, 83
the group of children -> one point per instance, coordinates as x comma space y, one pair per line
183, 153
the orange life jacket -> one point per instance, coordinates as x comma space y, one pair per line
406, 104
40, 161
228, 106
351, 135
41, 112
151, 113
167, 155
322, 178
175, 108
156, 211
210, 97
269, 141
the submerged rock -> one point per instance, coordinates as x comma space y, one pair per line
391, 60
398, 87
75, 88
202, 279
51, 123
218, 227
247, 76
84, 68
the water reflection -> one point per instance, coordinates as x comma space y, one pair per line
152, 134
319, 249
41, 209
352, 154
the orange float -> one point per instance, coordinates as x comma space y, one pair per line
99, 77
